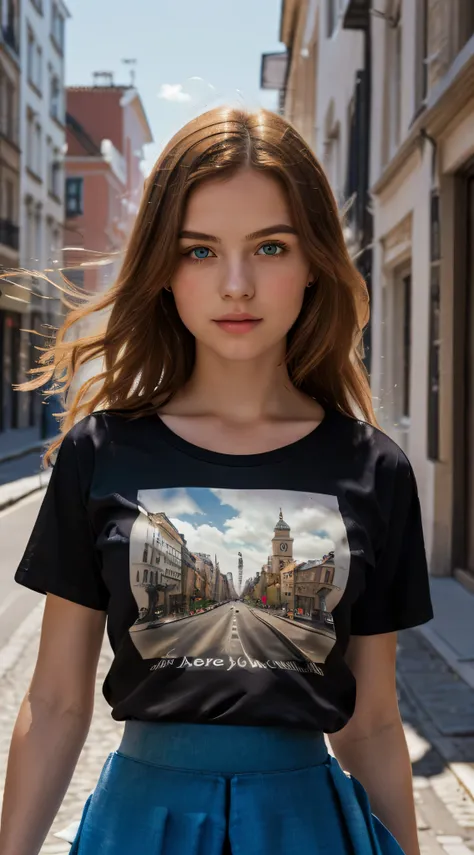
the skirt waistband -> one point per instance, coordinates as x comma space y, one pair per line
225, 749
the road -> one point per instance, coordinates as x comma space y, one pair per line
230, 630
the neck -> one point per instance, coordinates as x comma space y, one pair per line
241, 391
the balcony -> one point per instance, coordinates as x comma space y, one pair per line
9, 234
355, 14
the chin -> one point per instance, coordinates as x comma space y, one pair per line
251, 352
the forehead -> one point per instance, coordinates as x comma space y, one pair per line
247, 201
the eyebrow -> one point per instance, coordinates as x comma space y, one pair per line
280, 228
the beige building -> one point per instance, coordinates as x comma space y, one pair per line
422, 184
327, 97
387, 102
319, 98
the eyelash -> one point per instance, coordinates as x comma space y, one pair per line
279, 243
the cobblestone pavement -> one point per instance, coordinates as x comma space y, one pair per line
445, 810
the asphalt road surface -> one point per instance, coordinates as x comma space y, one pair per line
232, 630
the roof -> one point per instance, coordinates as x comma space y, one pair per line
83, 138
281, 524
289, 9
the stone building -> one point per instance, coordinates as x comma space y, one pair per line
422, 182
386, 101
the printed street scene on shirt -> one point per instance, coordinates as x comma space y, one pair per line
229, 578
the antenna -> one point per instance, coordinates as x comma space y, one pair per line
131, 63
241, 570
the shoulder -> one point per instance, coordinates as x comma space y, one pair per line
93, 433
374, 445
99, 426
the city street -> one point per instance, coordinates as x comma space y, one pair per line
232, 629
436, 706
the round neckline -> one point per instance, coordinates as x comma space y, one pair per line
259, 459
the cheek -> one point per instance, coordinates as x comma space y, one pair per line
189, 291
283, 291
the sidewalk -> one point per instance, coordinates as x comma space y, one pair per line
17, 443
451, 632
20, 468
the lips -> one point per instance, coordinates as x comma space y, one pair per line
238, 323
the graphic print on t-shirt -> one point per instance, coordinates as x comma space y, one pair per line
237, 578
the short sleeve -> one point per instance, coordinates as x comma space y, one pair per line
61, 556
397, 594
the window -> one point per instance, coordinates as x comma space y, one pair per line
56, 98
402, 347
37, 220
434, 330
56, 173
37, 150
465, 13
9, 11
33, 144
74, 197
394, 88
331, 10
57, 28
406, 357
10, 200
39, 67
29, 139
49, 162
34, 61
332, 160
421, 83
11, 127
30, 60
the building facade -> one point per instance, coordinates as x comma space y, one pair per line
13, 300
385, 98
422, 180
107, 130
327, 96
42, 140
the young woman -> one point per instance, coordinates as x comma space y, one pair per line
222, 495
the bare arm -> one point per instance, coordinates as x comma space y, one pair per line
52, 724
372, 747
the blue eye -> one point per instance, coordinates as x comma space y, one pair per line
201, 252
271, 249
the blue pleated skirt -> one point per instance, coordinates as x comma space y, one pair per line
185, 789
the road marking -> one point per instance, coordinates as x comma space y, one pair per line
11, 652
242, 646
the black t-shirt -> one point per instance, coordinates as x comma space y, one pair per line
232, 582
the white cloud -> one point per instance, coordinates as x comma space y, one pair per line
177, 502
251, 515
173, 92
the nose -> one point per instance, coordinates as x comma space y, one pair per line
237, 282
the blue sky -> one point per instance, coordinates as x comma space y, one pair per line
218, 41
223, 522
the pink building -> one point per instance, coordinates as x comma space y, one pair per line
107, 130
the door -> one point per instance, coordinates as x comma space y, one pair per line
11, 369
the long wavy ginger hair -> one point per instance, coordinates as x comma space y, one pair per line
145, 351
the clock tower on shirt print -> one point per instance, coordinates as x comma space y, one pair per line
282, 545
